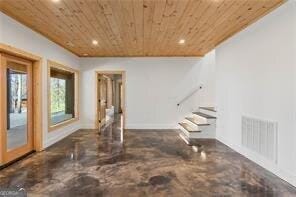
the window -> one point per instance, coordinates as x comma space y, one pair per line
63, 95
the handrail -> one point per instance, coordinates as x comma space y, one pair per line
189, 95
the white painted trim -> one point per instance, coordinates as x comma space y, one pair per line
137, 126
61, 135
88, 126
268, 165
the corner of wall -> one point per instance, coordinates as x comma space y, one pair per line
207, 95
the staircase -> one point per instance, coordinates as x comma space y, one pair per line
200, 124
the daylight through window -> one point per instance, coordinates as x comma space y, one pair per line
62, 95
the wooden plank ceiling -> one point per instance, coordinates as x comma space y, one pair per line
138, 27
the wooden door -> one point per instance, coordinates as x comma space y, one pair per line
102, 102
16, 119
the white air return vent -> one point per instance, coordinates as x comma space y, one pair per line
260, 136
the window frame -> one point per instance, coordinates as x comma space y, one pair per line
58, 66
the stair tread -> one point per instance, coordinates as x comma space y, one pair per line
194, 121
208, 108
204, 115
187, 127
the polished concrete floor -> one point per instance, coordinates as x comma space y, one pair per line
140, 163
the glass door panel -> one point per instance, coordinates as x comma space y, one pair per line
16, 124
17, 111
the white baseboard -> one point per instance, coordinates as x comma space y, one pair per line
268, 165
151, 126
61, 134
136, 126
88, 126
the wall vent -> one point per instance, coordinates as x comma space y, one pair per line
260, 136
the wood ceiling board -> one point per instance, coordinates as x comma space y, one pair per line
138, 28
245, 17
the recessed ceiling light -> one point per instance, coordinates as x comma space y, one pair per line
55, 1
95, 42
85, 54
182, 41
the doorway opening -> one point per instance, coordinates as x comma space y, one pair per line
110, 98
20, 104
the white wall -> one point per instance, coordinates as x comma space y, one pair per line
207, 96
256, 77
21, 37
153, 88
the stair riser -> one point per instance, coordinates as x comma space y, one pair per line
203, 120
209, 132
211, 113
196, 127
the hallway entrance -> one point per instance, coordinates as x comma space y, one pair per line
110, 97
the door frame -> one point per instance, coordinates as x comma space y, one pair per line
37, 96
10, 155
102, 80
102, 72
